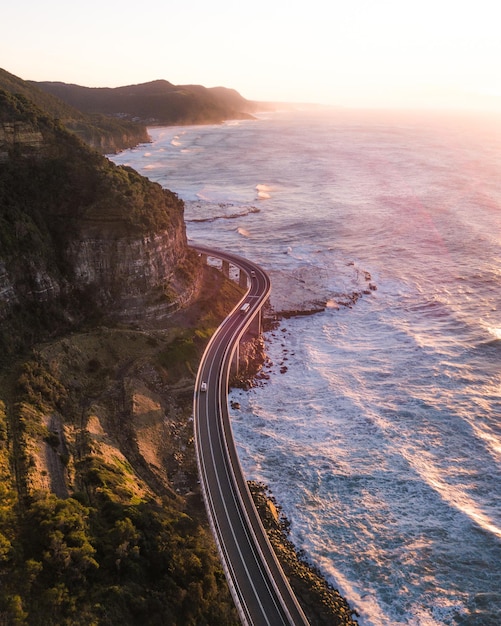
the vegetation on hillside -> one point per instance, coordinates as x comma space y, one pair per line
99, 523
155, 103
99, 131
51, 193
69, 181
101, 519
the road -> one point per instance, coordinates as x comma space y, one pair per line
256, 580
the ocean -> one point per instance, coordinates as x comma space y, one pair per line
378, 429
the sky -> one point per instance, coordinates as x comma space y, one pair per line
352, 53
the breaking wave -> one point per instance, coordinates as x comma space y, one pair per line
263, 192
209, 209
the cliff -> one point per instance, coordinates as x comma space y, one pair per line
100, 132
80, 236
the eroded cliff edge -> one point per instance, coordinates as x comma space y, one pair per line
80, 236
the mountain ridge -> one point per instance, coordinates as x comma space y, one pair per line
103, 133
157, 102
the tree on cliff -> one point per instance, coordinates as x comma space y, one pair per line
55, 191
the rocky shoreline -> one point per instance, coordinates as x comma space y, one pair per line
322, 603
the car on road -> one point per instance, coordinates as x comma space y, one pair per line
203, 386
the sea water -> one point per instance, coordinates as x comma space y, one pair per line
379, 428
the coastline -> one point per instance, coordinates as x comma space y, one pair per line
360, 379
322, 603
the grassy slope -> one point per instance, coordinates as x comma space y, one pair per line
101, 520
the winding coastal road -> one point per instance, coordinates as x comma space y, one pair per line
258, 585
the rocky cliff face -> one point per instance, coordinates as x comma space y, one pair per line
128, 279
21, 137
80, 236
107, 135
137, 278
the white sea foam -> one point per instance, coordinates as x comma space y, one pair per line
263, 191
455, 496
495, 332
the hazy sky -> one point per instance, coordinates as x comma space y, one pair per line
352, 52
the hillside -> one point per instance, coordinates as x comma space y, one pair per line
156, 103
101, 519
80, 236
102, 133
